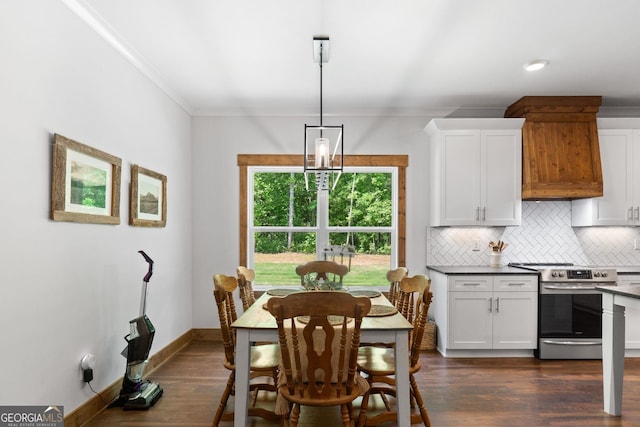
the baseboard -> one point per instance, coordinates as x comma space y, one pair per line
92, 407
207, 334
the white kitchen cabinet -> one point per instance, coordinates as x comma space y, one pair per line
515, 320
485, 312
476, 171
619, 140
470, 320
632, 316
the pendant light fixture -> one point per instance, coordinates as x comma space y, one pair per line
323, 149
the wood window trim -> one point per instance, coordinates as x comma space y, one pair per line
399, 161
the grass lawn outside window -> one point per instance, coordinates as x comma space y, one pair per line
279, 269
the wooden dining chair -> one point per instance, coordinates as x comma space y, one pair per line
409, 292
246, 276
378, 364
393, 277
264, 358
328, 271
319, 356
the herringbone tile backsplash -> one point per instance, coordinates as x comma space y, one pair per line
545, 235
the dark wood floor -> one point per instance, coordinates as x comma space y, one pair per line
458, 392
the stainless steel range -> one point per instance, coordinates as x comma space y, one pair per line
570, 310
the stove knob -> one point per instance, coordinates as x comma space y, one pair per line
596, 274
554, 274
604, 274
561, 274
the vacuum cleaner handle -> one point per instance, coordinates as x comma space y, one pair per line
150, 261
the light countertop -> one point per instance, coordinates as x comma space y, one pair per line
627, 291
485, 269
478, 269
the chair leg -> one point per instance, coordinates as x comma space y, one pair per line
352, 412
362, 416
346, 415
385, 400
412, 400
295, 415
419, 401
224, 398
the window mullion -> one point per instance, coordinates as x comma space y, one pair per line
322, 236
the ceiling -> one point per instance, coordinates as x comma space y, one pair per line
400, 57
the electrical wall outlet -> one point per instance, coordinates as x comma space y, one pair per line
476, 245
87, 363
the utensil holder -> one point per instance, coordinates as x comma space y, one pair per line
495, 259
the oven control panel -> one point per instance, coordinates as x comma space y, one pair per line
579, 274
587, 275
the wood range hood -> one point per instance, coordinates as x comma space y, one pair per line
560, 150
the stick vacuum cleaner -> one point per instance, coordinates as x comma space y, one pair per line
137, 394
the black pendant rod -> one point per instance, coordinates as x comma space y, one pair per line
321, 45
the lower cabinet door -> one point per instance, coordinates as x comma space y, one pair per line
470, 320
515, 320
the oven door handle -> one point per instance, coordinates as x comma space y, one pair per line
586, 288
577, 343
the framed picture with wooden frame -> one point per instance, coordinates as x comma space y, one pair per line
148, 198
85, 185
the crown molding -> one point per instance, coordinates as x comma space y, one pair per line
98, 24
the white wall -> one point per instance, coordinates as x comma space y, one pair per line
216, 143
68, 289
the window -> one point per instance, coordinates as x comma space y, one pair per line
283, 225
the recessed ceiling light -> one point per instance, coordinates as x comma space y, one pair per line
536, 65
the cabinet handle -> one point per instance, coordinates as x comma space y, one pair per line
497, 304
637, 214
484, 214
478, 213
630, 214
516, 284
490, 304
471, 284
576, 343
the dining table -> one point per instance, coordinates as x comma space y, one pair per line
258, 325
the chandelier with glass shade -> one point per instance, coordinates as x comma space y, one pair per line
323, 148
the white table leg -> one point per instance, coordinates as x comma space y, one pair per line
243, 356
402, 378
613, 324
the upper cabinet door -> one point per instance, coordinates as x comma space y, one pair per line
616, 153
476, 172
460, 177
620, 155
501, 174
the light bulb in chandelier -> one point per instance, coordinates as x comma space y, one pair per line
322, 153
